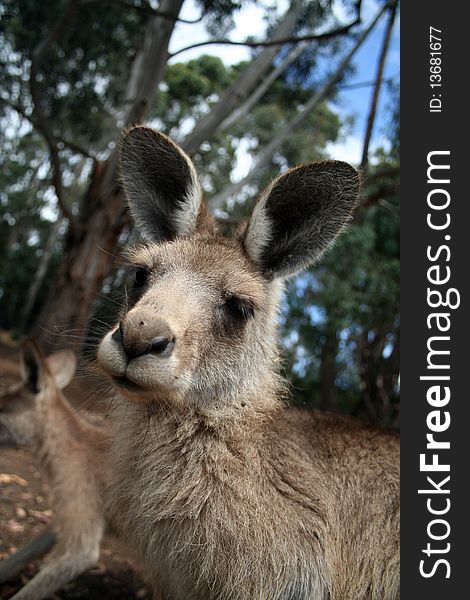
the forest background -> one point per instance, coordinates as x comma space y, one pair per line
248, 88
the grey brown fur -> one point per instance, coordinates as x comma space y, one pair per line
72, 451
226, 493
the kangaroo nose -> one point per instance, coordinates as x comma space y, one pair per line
142, 333
162, 345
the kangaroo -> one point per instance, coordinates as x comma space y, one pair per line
225, 491
34, 414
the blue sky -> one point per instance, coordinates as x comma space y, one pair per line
249, 21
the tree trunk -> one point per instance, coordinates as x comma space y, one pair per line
375, 395
233, 97
263, 87
34, 550
40, 274
329, 372
89, 250
266, 154
91, 243
377, 87
89, 254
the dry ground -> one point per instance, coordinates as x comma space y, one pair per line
25, 512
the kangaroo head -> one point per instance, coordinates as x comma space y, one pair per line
200, 324
24, 404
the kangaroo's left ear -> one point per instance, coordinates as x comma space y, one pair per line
160, 183
299, 216
33, 367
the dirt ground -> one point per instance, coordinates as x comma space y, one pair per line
25, 512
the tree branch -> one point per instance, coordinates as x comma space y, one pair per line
42, 120
265, 84
57, 29
362, 84
265, 156
280, 42
380, 191
75, 147
384, 191
378, 86
384, 172
147, 71
72, 145
148, 10
36, 548
246, 82
40, 274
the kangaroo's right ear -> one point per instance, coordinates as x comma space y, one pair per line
160, 183
32, 367
298, 217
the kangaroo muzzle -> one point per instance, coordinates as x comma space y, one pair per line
141, 332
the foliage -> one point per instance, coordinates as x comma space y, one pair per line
84, 77
352, 295
23, 228
345, 308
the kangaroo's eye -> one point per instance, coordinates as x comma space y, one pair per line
140, 278
239, 308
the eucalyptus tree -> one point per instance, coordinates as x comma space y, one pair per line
81, 70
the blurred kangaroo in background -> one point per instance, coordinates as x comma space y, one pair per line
226, 492
35, 415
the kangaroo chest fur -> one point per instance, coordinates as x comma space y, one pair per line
212, 518
254, 516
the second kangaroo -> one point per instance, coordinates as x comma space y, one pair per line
72, 452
